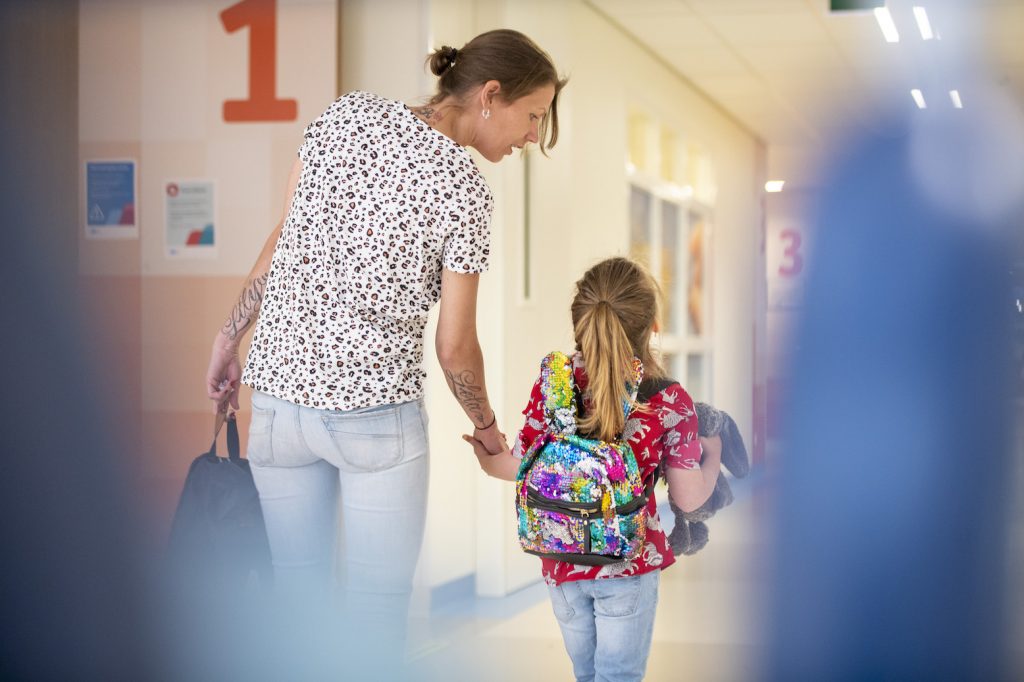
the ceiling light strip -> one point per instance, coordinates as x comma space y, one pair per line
923, 24
888, 26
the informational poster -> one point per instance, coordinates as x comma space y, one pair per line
110, 199
190, 218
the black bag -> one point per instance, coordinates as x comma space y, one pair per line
218, 536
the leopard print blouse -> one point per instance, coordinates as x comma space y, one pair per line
384, 202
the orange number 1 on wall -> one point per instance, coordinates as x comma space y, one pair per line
263, 105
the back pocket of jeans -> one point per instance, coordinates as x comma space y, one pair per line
618, 597
367, 441
560, 604
261, 437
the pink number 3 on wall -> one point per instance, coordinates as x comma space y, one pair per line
263, 105
792, 262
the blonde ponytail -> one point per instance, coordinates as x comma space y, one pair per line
608, 355
613, 313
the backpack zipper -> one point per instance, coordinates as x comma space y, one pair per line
582, 510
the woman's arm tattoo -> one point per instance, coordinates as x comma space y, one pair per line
248, 307
469, 394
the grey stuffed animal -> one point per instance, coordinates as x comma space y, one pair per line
690, 533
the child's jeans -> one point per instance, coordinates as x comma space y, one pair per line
607, 625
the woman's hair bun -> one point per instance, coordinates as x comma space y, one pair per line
442, 60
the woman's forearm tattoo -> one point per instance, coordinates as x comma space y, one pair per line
469, 394
247, 308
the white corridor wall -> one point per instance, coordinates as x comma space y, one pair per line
578, 214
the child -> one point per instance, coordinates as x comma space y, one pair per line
606, 613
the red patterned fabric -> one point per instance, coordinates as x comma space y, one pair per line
666, 427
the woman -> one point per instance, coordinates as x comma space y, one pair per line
387, 215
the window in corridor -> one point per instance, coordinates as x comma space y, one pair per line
671, 194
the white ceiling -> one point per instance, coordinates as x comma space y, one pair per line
792, 72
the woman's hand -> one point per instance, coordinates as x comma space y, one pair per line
223, 377
502, 465
225, 372
491, 438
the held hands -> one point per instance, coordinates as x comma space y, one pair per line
498, 465
491, 437
223, 377
492, 453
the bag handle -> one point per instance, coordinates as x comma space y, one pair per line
234, 449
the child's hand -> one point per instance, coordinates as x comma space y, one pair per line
502, 465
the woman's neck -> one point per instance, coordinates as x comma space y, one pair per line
445, 117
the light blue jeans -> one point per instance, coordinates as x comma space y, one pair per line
607, 625
376, 461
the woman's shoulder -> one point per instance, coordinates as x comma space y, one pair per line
369, 104
334, 111
361, 105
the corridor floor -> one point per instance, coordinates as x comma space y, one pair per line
705, 627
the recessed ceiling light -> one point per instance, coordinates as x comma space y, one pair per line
918, 98
923, 24
955, 96
774, 185
887, 25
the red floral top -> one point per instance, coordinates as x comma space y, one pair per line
668, 428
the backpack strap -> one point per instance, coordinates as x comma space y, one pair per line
556, 381
563, 402
633, 386
557, 388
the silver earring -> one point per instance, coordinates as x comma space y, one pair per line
486, 113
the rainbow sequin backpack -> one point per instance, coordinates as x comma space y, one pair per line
578, 499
